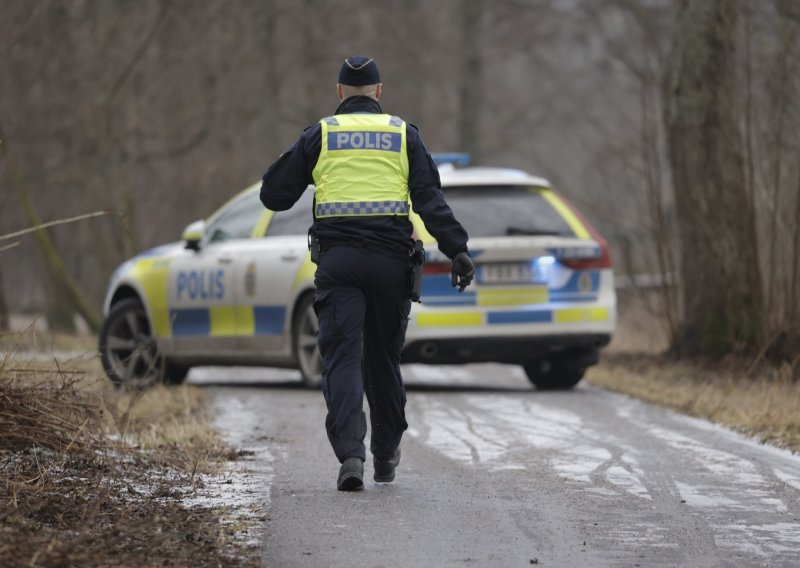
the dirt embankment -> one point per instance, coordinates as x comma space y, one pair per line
92, 476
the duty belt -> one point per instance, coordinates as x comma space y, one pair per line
362, 208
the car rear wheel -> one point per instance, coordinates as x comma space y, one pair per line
128, 349
304, 337
554, 375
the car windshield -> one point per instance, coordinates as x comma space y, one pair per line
238, 220
492, 211
296, 220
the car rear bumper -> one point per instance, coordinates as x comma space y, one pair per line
509, 349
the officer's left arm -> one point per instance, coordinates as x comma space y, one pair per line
428, 200
289, 176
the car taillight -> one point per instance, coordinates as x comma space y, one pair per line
436, 268
602, 261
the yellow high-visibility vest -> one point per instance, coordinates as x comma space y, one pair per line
362, 168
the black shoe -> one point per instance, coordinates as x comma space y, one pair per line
351, 475
384, 467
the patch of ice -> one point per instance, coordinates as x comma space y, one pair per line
705, 497
725, 465
776, 540
243, 487
628, 478
788, 479
736, 437
508, 467
495, 431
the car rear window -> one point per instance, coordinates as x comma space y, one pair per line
497, 211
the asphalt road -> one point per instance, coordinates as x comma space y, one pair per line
495, 473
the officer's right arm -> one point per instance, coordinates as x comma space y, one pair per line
290, 174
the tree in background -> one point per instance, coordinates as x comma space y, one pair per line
471, 84
752, 122
773, 166
723, 307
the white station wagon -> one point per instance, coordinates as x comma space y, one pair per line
238, 289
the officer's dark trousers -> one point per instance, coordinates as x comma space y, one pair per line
363, 308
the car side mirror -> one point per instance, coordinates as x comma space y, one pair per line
193, 234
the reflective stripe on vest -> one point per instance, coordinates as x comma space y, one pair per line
362, 167
341, 208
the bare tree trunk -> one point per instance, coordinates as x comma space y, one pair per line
663, 240
720, 276
471, 78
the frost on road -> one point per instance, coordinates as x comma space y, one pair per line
497, 474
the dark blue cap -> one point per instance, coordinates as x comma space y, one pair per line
358, 70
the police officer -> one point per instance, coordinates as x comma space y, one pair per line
365, 165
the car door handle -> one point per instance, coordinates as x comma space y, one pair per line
289, 256
225, 259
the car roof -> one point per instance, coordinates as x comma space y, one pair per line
460, 177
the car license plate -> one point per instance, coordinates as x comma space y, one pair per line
510, 273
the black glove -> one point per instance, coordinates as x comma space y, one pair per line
462, 271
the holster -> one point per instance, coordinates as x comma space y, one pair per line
414, 278
313, 247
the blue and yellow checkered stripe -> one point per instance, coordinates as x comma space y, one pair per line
227, 321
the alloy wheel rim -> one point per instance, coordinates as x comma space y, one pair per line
131, 349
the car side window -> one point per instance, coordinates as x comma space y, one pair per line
296, 220
238, 220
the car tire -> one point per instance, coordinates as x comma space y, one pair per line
553, 375
128, 349
304, 342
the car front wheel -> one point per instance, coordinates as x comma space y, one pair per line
128, 349
304, 339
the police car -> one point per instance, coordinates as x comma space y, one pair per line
238, 289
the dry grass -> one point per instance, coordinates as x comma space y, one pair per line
762, 402
91, 475
764, 407
45, 344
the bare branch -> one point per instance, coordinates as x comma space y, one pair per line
54, 223
9, 247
